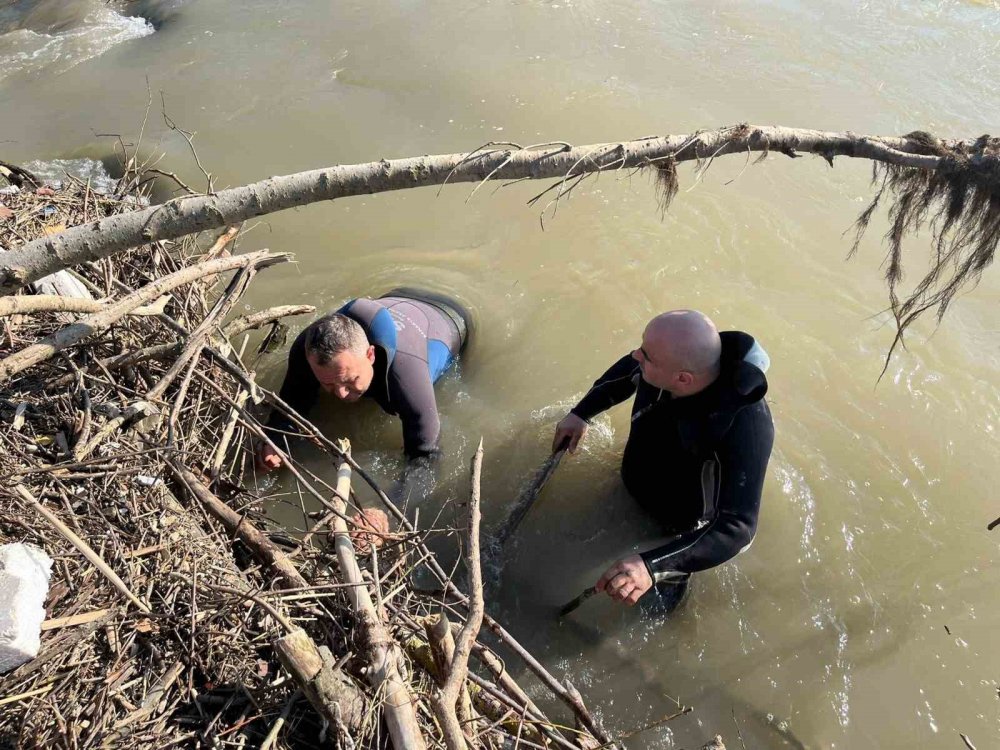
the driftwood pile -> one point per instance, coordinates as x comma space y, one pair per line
177, 615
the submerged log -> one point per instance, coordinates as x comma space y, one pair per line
527, 498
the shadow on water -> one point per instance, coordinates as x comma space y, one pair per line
607, 643
603, 644
159, 13
757, 727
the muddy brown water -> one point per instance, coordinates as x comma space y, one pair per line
828, 633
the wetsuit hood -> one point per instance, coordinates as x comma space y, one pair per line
744, 363
741, 383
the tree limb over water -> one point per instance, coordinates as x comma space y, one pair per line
953, 186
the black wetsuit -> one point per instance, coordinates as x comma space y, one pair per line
417, 336
696, 463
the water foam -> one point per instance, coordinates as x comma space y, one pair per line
86, 170
24, 52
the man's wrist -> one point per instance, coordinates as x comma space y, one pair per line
646, 558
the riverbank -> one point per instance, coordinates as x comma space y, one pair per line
177, 614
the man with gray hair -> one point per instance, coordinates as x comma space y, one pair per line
697, 450
391, 349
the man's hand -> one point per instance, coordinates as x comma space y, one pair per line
626, 580
570, 427
267, 459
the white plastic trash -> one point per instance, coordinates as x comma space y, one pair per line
24, 584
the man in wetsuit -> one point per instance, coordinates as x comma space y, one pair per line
697, 450
391, 349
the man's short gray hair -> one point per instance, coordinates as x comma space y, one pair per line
333, 334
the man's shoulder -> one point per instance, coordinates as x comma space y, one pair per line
362, 309
751, 424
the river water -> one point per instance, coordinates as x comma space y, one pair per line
864, 613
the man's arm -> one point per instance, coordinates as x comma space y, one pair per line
412, 393
613, 387
299, 390
743, 462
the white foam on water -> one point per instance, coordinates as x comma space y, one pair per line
55, 171
26, 52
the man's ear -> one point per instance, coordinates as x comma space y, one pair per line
685, 378
370, 354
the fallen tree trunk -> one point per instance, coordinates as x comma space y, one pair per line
196, 213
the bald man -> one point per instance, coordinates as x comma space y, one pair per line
697, 449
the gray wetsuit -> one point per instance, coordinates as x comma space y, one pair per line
417, 336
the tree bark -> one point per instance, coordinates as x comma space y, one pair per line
337, 699
190, 214
381, 653
445, 702
442, 642
263, 317
489, 706
36, 303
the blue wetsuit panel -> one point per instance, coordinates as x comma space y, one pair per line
383, 332
439, 358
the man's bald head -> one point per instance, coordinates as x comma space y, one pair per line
680, 352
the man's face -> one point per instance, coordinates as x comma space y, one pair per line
347, 375
655, 362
